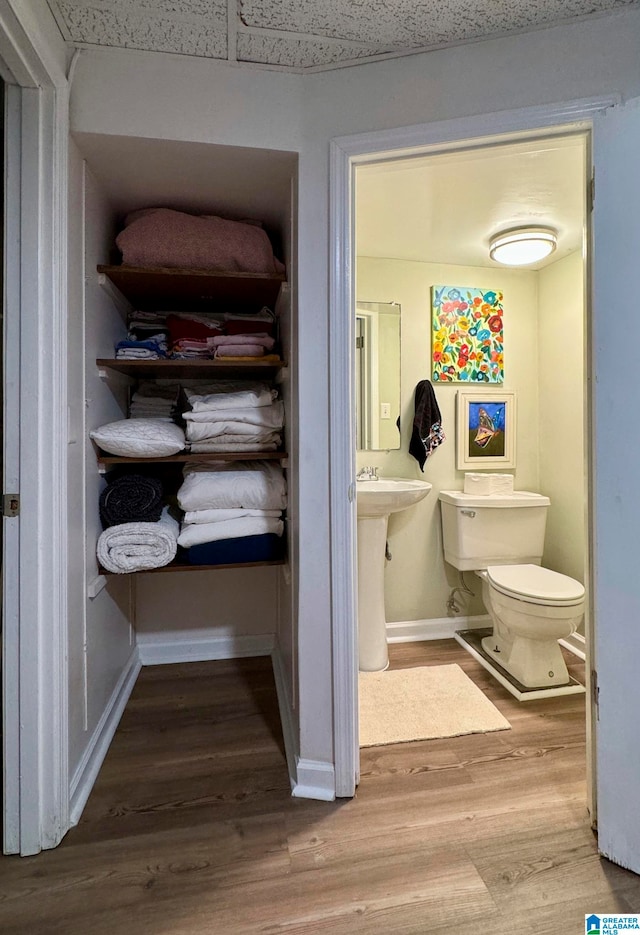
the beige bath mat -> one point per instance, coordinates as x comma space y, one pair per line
420, 704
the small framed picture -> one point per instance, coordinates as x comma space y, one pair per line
485, 430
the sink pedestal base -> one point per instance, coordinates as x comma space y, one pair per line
372, 625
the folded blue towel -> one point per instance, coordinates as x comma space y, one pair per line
150, 344
265, 548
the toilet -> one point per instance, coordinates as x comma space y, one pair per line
501, 538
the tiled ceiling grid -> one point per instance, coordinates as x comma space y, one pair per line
303, 34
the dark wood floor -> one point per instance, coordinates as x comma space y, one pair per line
191, 827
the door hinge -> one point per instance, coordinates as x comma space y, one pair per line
359, 343
591, 193
10, 504
595, 693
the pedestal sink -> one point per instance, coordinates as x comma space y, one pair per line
376, 499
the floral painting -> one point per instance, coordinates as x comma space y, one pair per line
468, 344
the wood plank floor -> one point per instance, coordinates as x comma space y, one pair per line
191, 827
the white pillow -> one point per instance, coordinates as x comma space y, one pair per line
146, 438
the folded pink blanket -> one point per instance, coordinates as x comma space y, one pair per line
240, 350
166, 238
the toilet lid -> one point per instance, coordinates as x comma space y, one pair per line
535, 584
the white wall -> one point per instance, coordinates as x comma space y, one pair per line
100, 636
180, 98
565, 63
227, 604
418, 580
561, 414
162, 96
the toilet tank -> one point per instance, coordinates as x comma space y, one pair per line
496, 529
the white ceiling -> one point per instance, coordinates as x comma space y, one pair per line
303, 34
445, 208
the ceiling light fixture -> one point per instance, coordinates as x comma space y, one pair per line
521, 246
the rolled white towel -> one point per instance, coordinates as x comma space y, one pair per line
138, 546
197, 533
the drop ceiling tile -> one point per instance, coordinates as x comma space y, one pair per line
299, 53
406, 24
186, 27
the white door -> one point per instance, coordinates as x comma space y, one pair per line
616, 441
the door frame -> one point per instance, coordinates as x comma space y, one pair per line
346, 153
34, 640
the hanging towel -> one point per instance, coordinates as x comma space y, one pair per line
427, 424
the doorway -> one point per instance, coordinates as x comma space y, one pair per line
347, 154
423, 224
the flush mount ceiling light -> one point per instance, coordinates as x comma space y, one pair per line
523, 245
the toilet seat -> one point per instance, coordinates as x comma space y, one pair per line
535, 585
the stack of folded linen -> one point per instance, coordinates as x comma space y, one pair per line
146, 338
190, 335
155, 401
227, 416
153, 348
233, 512
142, 324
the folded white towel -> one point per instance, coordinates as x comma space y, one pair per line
138, 546
230, 394
229, 427
229, 443
265, 416
220, 516
251, 485
256, 436
197, 533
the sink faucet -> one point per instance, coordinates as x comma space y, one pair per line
367, 473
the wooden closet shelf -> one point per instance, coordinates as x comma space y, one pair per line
185, 457
191, 369
180, 565
163, 289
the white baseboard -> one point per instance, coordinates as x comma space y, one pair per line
191, 646
315, 779
576, 644
439, 628
89, 766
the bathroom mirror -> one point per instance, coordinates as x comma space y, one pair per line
377, 330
